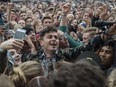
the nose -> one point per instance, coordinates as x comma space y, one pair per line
102, 54
17, 55
47, 24
53, 38
33, 34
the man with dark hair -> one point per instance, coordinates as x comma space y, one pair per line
47, 21
22, 15
106, 53
50, 53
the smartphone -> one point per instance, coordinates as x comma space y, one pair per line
20, 34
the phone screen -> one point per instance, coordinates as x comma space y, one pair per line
20, 34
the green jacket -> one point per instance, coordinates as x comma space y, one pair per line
71, 41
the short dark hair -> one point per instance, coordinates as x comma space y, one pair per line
79, 75
110, 42
28, 18
22, 12
46, 17
47, 30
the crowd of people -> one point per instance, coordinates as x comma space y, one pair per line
66, 44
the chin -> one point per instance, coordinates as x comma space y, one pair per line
54, 49
17, 63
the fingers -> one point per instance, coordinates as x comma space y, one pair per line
12, 44
18, 43
17, 47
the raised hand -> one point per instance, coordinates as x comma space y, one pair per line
66, 8
29, 41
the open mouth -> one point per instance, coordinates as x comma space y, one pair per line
53, 43
18, 59
84, 39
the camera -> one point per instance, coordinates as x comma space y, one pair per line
103, 23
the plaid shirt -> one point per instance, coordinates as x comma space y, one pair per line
68, 54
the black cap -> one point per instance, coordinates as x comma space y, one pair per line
28, 29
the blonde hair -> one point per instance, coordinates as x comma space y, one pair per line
91, 30
25, 72
5, 81
112, 79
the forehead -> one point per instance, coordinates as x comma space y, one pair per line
51, 33
86, 34
20, 21
70, 15
28, 11
29, 19
22, 13
107, 48
47, 20
74, 21
12, 50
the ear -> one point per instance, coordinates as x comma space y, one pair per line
41, 42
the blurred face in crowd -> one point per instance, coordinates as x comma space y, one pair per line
106, 54
29, 14
37, 15
50, 41
111, 19
16, 55
23, 16
47, 22
5, 17
70, 17
1, 30
32, 36
99, 10
29, 21
13, 15
74, 23
86, 37
22, 23
86, 16
63, 41
78, 14
59, 13
9, 36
